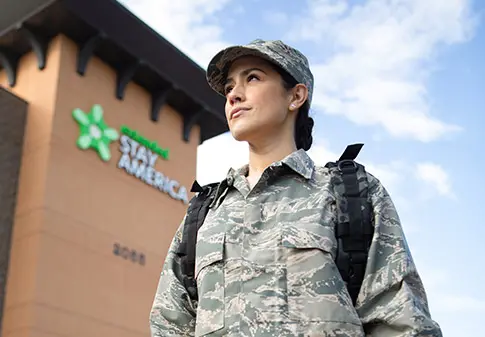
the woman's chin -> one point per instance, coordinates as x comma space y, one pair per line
241, 133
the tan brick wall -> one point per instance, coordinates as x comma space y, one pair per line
75, 207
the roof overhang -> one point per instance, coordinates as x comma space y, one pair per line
109, 31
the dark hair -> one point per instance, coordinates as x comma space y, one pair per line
304, 123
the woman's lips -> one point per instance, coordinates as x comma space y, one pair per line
236, 112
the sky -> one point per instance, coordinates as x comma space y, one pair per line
405, 77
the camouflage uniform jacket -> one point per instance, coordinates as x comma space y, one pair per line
265, 266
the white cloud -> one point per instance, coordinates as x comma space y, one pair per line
390, 175
189, 24
435, 177
215, 156
321, 154
374, 59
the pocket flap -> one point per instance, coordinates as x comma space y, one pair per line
209, 250
309, 235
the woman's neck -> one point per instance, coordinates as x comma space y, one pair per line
262, 156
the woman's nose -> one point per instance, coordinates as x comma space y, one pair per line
236, 95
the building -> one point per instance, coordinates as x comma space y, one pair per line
100, 119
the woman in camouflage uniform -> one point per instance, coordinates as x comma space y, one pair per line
265, 254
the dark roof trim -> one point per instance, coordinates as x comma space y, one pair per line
19, 11
106, 29
144, 43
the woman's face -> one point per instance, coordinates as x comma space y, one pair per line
257, 104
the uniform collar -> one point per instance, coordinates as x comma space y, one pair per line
299, 161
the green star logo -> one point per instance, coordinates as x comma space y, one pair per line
93, 131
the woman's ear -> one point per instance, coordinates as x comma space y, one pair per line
299, 95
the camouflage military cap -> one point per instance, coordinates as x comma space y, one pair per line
277, 52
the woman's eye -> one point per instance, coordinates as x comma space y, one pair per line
251, 77
227, 90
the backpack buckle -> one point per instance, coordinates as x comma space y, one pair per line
347, 166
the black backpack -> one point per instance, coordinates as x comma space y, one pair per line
353, 237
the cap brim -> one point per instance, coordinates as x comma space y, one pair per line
219, 65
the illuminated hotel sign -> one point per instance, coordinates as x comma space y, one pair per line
138, 154
138, 159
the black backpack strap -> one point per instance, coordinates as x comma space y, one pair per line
351, 152
196, 213
354, 228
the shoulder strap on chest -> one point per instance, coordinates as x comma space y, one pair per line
197, 211
354, 229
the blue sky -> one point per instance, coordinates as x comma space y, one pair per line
405, 77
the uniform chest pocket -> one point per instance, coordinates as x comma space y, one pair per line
316, 292
209, 273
